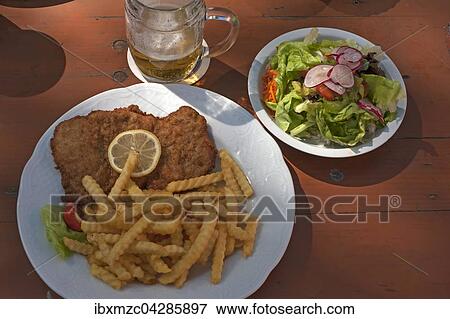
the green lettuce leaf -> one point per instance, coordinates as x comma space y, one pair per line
56, 229
326, 46
285, 115
383, 92
301, 129
292, 58
346, 127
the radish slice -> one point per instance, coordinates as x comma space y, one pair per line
342, 74
339, 50
317, 75
354, 65
350, 55
351, 65
334, 87
366, 105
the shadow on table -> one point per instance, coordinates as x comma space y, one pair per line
31, 3
30, 62
292, 265
225, 81
372, 168
361, 7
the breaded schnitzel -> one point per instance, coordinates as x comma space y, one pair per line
80, 145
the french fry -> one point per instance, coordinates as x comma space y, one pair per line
250, 228
165, 227
106, 276
138, 196
237, 232
187, 244
148, 247
241, 178
196, 182
148, 279
78, 247
191, 229
125, 175
177, 237
230, 180
96, 192
121, 220
133, 258
212, 188
192, 255
134, 190
103, 250
229, 249
120, 271
219, 255
131, 267
207, 252
158, 264
93, 189
91, 259
127, 239
147, 267
179, 283
94, 238
90, 227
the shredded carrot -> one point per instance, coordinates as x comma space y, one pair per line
270, 86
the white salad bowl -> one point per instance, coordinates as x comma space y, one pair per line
258, 69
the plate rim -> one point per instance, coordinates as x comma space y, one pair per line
266, 270
253, 88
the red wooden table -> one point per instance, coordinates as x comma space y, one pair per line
407, 257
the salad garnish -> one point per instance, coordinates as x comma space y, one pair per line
329, 91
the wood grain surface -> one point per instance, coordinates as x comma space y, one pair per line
55, 54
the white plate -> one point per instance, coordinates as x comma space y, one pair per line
232, 128
254, 90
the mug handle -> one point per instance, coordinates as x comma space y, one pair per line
223, 14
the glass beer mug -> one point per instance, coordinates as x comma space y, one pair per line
165, 37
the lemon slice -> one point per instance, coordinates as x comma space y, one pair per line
145, 143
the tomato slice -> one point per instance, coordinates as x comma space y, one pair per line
71, 217
326, 92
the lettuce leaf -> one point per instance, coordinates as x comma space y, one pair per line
346, 127
291, 59
56, 229
326, 46
285, 115
383, 92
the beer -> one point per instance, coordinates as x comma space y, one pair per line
165, 36
167, 70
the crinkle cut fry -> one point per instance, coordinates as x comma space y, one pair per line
106, 276
158, 264
127, 239
90, 227
207, 252
250, 228
219, 255
241, 178
195, 182
230, 180
99, 196
78, 247
125, 175
193, 254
